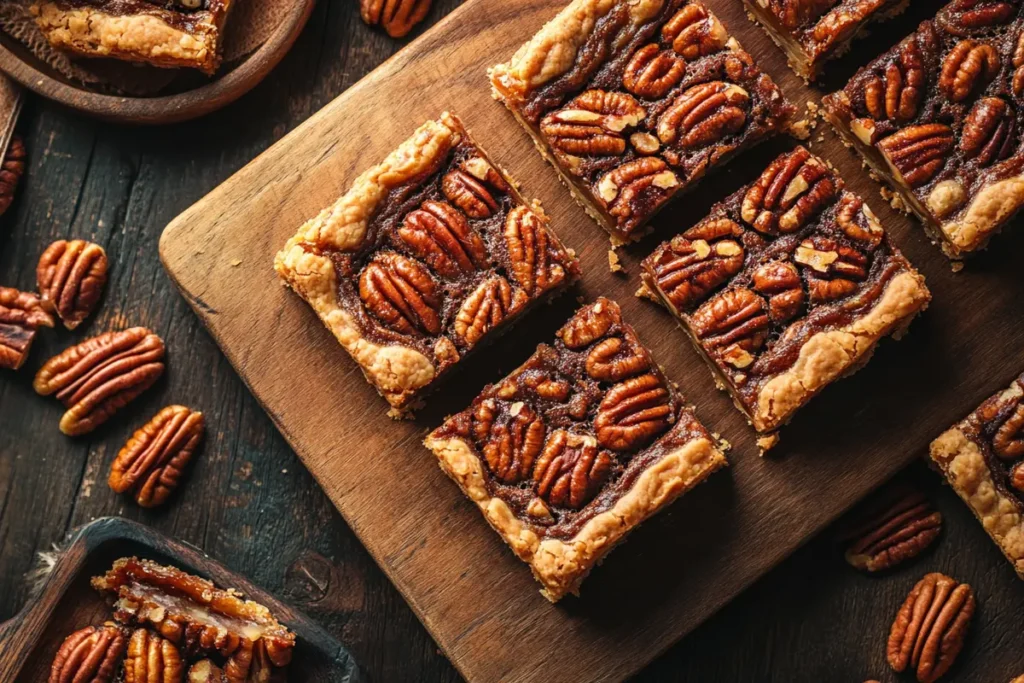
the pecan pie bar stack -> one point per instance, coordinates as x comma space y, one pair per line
785, 287
634, 102
166, 33
939, 118
811, 32
423, 259
576, 448
983, 460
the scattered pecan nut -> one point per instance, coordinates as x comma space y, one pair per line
695, 263
834, 270
440, 235
472, 187
636, 187
153, 460
614, 359
899, 92
511, 439
791, 191
99, 376
732, 326
11, 170
929, 629
893, 533
651, 72
704, 114
695, 32
571, 470
152, 659
593, 123
397, 17
205, 671
990, 131
918, 152
91, 654
490, 303
596, 322
531, 265
71, 276
21, 314
963, 17
968, 68
858, 222
401, 293
633, 413
780, 282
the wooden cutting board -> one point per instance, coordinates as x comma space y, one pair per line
474, 596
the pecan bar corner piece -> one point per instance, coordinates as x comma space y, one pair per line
576, 448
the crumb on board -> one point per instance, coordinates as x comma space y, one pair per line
614, 264
956, 266
644, 292
235, 262
767, 442
801, 129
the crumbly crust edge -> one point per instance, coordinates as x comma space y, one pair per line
561, 566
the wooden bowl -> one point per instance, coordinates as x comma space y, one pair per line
21, 65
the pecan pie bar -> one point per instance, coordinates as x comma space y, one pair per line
983, 460
811, 32
576, 448
426, 256
785, 287
165, 33
939, 118
634, 102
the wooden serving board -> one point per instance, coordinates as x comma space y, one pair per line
474, 596
66, 602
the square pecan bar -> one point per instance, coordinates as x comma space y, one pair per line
785, 287
811, 32
983, 460
576, 448
428, 255
939, 118
165, 33
634, 102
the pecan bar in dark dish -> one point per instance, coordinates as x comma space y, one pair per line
165, 33
983, 460
786, 287
428, 255
811, 32
577, 447
634, 102
939, 117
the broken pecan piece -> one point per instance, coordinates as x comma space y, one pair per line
633, 413
593, 123
614, 359
636, 187
205, 671
152, 461
594, 323
152, 659
485, 308
397, 17
704, 114
695, 32
401, 293
1017, 476
990, 131
929, 629
967, 16
71, 276
968, 68
893, 533
791, 191
918, 152
858, 222
652, 72
780, 281
21, 314
472, 187
91, 654
834, 269
510, 439
99, 376
571, 470
898, 94
11, 170
251, 662
732, 326
527, 240
440, 235
695, 263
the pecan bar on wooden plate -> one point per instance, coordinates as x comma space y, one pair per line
166, 33
785, 287
633, 102
983, 460
939, 118
576, 448
428, 255
811, 32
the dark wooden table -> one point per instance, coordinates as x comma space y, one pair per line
252, 505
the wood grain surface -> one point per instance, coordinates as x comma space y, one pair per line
249, 502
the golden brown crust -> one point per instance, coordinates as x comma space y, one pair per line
562, 565
143, 37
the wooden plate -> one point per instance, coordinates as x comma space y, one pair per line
67, 602
21, 65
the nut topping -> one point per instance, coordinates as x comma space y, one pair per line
968, 68
1008, 442
704, 114
1017, 477
205, 671
99, 376
642, 181
698, 261
401, 293
592, 324
71, 276
695, 32
894, 534
527, 239
930, 627
965, 16
835, 269
511, 439
898, 95
152, 659
91, 654
571, 470
592, 124
440, 235
21, 314
397, 17
795, 13
152, 461
633, 413
733, 326
780, 281
918, 152
11, 170
614, 359
791, 191
858, 222
472, 186
1018, 64
252, 662
989, 132
652, 72
485, 308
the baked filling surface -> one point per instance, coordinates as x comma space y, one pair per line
786, 286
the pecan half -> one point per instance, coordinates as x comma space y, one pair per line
635, 187
695, 263
1018, 63
593, 123
152, 461
21, 314
968, 68
966, 16
99, 376
205, 671
898, 94
397, 17
695, 32
252, 662
780, 282
152, 659
858, 222
401, 293
590, 324
440, 235
633, 413
791, 191
1008, 441
929, 629
490, 303
704, 114
732, 326
894, 533
571, 470
71, 276
918, 152
511, 439
530, 252
990, 131
795, 13
834, 269
91, 654
651, 72
614, 359
472, 187
11, 170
